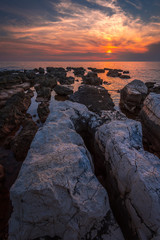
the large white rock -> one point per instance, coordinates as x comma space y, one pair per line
57, 193
137, 174
150, 116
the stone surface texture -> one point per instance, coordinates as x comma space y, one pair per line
136, 172
57, 193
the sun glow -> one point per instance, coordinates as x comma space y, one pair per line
109, 51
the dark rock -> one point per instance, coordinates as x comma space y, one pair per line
125, 77
43, 111
66, 80
41, 70
2, 173
97, 70
43, 93
125, 72
113, 73
79, 72
30, 93
63, 90
92, 79
13, 113
8, 80
46, 81
57, 72
30, 74
95, 98
22, 141
132, 96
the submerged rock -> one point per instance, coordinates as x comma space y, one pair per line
95, 98
114, 73
57, 190
136, 173
43, 111
150, 116
132, 96
63, 90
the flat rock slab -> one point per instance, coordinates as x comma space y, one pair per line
57, 193
94, 97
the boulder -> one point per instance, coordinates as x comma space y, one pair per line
79, 72
43, 111
95, 98
67, 80
57, 72
22, 141
125, 76
43, 93
41, 70
135, 173
114, 73
56, 190
132, 96
150, 117
46, 80
63, 90
92, 79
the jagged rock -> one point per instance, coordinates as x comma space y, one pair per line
57, 72
43, 111
21, 142
13, 113
8, 93
79, 72
133, 95
63, 90
46, 81
125, 77
57, 190
30, 74
150, 116
41, 70
92, 79
136, 172
95, 98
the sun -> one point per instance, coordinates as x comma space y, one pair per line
109, 51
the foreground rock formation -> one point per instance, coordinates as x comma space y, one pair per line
136, 174
57, 193
150, 116
132, 96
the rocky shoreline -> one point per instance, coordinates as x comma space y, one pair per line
87, 171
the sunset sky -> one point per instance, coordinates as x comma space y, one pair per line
100, 30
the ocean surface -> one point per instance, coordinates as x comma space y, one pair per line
145, 71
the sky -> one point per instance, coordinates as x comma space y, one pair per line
79, 30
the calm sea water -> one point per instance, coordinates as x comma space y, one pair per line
145, 71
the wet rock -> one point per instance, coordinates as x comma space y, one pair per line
67, 80
21, 142
95, 98
43, 111
25, 86
132, 96
63, 90
30, 93
8, 80
47, 81
137, 175
92, 79
13, 113
125, 72
58, 167
79, 72
125, 77
57, 72
43, 93
150, 116
8, 93
30, 74
2, 173
114, 73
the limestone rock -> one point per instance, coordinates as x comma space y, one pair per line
136, 172
150, 116
63, 90
57, 193
133, 95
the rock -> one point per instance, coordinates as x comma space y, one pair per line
43, 111
41, 70
125, 77
21, 142
92, 79
46, 80
125, 72
30, 74
8, 93
25, 86
13, 113
57, 72
57, 190
2, 174
79, 72
43, 94
137, 175
30, 93
97, 70
150, 116
63, 90
95, 98
67, 80
132, 96
113, 73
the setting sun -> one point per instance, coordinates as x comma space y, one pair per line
109, 51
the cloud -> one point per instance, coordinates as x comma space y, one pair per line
80, 31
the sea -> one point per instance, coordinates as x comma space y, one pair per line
145, 71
